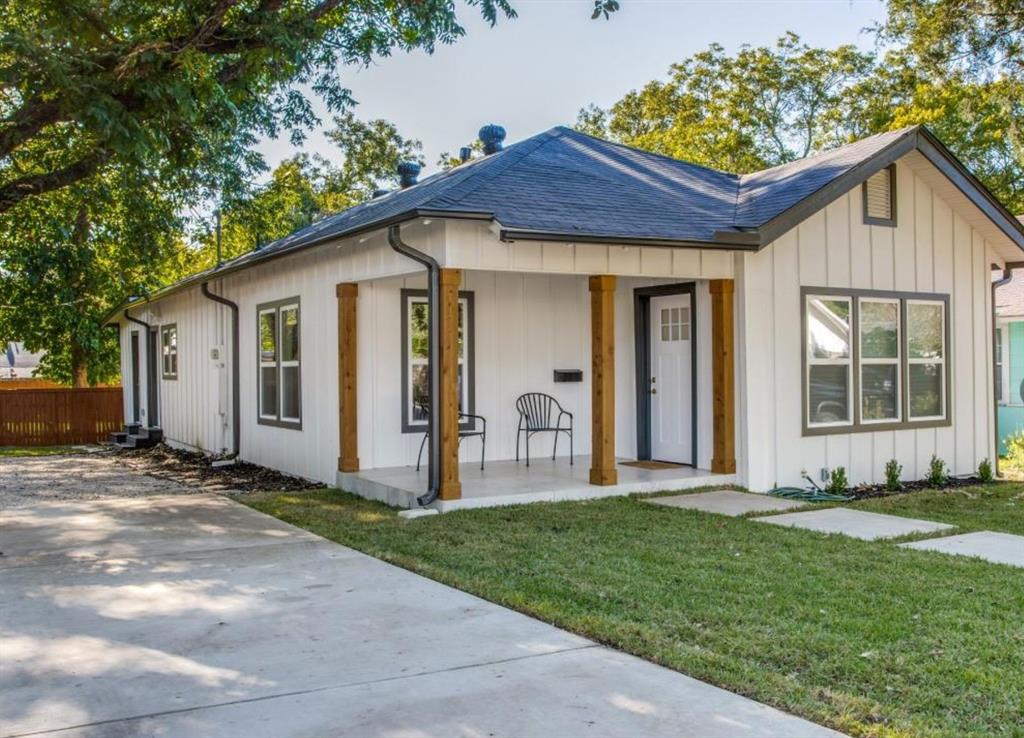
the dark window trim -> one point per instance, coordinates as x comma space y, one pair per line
467, 295
167, 327
642, 341
868, 220
276, 421
856, 426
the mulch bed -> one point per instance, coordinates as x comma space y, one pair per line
869, 491
196, 470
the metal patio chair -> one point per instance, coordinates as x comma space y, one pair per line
462, 433
541, 413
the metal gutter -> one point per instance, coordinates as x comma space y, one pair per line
509, 235
235, 364
433, 351
250, 259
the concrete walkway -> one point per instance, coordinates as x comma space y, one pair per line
868, 526
196, 616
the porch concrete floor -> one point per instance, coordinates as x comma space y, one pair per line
513, 483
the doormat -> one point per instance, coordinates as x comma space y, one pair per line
652, 464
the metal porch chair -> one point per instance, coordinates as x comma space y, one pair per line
462, 433
541, 413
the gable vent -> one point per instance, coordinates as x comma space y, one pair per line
879, 198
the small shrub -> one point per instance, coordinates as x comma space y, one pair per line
985, 471
1015, 451
837, 481
893, 471
937, 473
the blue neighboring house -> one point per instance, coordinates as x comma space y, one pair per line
1010, 356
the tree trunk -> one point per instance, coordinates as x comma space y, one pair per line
79, 367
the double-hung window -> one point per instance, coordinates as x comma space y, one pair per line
874, 360
169, 351
415, 361
280, 391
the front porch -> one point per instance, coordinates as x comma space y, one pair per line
513, 483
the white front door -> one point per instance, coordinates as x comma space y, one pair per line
671, 379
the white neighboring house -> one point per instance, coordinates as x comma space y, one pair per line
835, 311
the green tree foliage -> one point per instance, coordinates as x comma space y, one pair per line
766, 106
184, 88
71, 254
979, 37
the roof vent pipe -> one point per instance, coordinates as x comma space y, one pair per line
465, 154
408, 171
491, 137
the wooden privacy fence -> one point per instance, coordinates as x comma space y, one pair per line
55, 417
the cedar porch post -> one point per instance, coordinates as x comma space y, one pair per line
602, 348
348, 417
448, 365
723, 385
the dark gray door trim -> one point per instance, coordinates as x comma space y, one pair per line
642, 338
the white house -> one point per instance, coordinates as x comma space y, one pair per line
835, 311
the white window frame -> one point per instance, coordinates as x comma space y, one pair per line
276, 309
812, 361
1003, 363
897, 362
944, 361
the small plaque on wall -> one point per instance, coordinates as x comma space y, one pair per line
568, 375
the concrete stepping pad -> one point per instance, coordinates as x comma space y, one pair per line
726, 502
999, 548
867, 526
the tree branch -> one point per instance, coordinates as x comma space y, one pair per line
14, 192
26, 122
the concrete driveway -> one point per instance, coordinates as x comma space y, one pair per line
188, 616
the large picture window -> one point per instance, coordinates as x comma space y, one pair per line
874, 360
415, 363
169, 351
280, 394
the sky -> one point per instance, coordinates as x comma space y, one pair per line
538, 70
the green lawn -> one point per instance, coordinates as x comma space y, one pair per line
868, 638
35, 450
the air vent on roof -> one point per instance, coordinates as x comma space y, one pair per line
491, 137
880, 198
408, 171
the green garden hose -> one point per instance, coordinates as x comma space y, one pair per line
814, 493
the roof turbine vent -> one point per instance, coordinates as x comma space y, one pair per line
491, 137
408, 171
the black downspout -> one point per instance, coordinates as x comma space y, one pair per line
996, 379
433, 351
236, 394
148, 357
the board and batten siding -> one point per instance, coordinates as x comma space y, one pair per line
931, 249
195, 407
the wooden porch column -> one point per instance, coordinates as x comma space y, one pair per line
602, 349
348, 417
448, 366
723, 384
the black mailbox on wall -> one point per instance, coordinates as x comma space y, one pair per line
568, 375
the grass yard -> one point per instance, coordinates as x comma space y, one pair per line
867, 638
35, 450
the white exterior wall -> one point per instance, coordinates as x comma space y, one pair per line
932, 249
526, 326
529, 320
